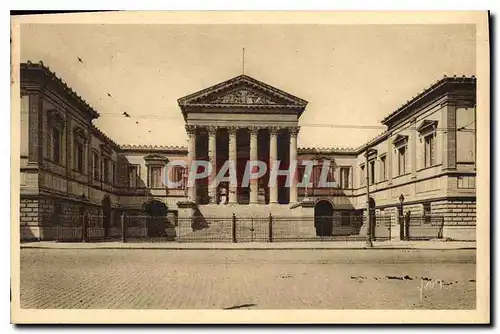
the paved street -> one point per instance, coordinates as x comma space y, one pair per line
243, 279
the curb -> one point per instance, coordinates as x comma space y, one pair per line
251, 248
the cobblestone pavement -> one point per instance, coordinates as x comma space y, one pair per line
261, 279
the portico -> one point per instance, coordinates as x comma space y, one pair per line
239, 121
238, 145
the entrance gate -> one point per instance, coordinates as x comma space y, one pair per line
252, 229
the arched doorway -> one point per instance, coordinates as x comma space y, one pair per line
323, 218
157, 220
106, 215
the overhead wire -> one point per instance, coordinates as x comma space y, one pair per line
126, 111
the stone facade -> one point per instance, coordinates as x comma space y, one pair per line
69, 167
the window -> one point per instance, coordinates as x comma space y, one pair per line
383, 168
105, 169
427, 208
316, 176
133, 173
79, 139
55, 136
113, 175
154, 176
56, 144
78, 156
427, 212
95, 165
429, 151
177, 175
345, 218
372, 172
402, 160
344, 177
362, 175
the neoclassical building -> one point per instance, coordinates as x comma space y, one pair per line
69, 167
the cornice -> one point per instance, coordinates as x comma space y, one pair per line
98, 133
43, 74
439, 88
377, 139
154, 148
323, 150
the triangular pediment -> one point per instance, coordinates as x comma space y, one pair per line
427, 125
242, 91
155, 158
245, 96
400, 140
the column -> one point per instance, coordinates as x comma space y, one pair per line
233, 195
191, 131
212, 157
273, 156
293, 158
254, 185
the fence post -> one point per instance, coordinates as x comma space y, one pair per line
84, 227
407, 226
233, 230
124, 227
270, 227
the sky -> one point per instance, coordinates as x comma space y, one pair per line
351, 75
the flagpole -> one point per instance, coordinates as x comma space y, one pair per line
243, 62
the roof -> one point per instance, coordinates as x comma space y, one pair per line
155, 148
440, 87
38, 71
99, 133
326, 150
381, 136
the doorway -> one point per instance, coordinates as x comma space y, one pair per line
157, 218
323, 218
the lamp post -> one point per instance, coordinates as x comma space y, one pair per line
401, 219
369, 238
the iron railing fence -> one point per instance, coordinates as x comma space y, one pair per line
382, 227
421, 227
67, 228
170, 228
86, 228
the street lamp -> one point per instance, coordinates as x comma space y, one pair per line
369, 238
401, 219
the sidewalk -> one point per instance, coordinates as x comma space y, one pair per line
424, 245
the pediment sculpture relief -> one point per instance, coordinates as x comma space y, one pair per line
242, 97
